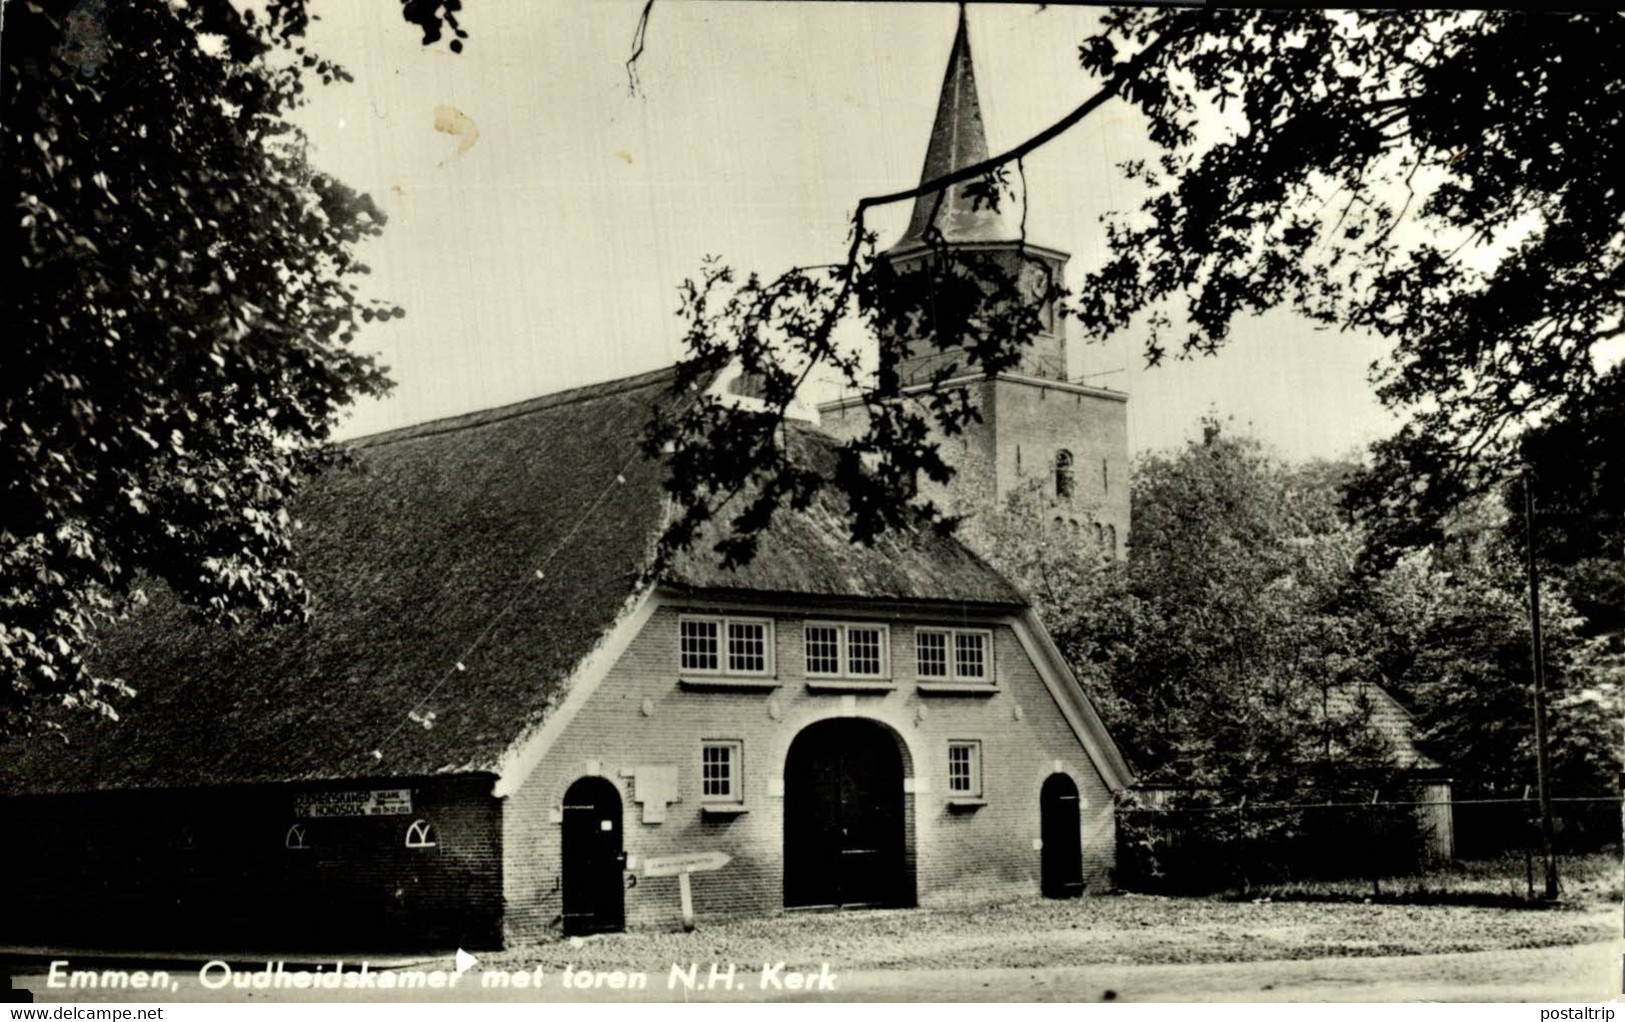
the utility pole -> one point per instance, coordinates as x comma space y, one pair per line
1542, 779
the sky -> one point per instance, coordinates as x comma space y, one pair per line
542, 215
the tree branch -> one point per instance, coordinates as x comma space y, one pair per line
1125, 73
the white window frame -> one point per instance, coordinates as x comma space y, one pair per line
297, 838
736, 771
843, 656
421, 834
975, 775
722, 621
950, 652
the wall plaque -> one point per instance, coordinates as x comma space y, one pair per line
389, 802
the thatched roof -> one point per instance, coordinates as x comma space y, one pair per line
809, 553
426, 555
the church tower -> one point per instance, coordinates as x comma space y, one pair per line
1038, 428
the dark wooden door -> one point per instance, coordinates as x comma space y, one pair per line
843, 817
594, 893
1061, 862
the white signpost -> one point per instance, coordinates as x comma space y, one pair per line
680, 866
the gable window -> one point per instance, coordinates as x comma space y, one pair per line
848, 650
865, 651
824, 650
747, 647
970, 655
953, 654
699, 643
932, 650
725, 645
965, 768
1063, 473
721, 764
421, 835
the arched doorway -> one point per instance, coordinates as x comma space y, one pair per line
845, 839
594, 896
1061, 861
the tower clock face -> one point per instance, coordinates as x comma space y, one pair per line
1036, 278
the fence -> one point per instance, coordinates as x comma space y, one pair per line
1240, 847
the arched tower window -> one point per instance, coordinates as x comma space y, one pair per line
1063, 473
1111, 541
1100, 536
296, 838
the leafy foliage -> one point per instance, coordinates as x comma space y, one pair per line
1470, 158
1211, 649
1215, 649
1221, 653
1578, 474
1452, 636
185, 300
434, 18
1443, 178
954, 302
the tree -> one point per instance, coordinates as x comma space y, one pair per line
1451, 636
1443, 178
185, 301
1578, 474
1223, 652
1215, 647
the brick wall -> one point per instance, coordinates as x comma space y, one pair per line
1036, 421
640, 716
209, 870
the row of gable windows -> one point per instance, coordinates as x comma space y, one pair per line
721, 645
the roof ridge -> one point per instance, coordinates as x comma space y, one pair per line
501, 413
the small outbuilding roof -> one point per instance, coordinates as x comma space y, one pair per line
1387, 717
434, 644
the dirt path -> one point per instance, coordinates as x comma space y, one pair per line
1586, 972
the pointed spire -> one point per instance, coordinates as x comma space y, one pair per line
958, 140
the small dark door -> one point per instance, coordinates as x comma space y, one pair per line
843, 817
1062, 857
594, 895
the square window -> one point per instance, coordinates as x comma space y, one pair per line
823, 649
954, 654
720, 764
965, 768
698, 639
865, 652
932, 650
747, 647
847, 651
970, 655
